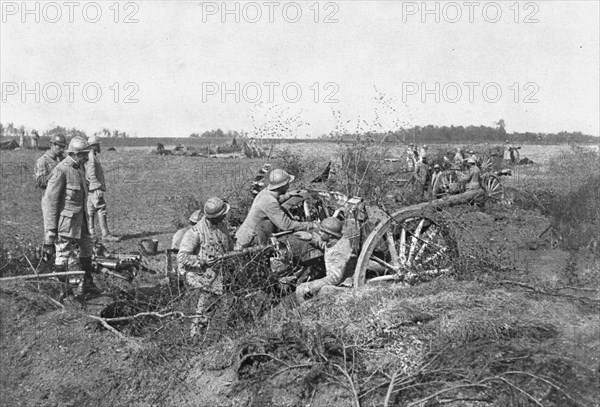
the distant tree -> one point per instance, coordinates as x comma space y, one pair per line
1, 130
56, 130
194, 135
501, 126
115, 133
106, 132
76, 133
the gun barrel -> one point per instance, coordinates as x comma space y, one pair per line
239, 253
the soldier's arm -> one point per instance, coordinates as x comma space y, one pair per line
189, 244
281, 220
53, 195
335, 267
41, 174
90, 171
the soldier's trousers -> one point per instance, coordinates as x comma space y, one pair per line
97, 205
65, 246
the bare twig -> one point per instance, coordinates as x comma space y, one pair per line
390, 390
465, 386
153, 314
351, 382
106, 325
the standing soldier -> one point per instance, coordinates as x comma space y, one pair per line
35, 138
22, 138
266, 213
424, 153
435, 180
66, 213
422, 176
207, 239
410, 157
459, 159
97, 187
338, 251
43, 168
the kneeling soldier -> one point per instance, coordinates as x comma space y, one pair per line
207, 239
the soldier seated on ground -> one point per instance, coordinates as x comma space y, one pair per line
472, 178
178, 236
338, 252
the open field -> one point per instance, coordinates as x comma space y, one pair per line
518, 324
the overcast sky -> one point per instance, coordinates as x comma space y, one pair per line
359, 65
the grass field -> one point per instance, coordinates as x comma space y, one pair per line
517, 325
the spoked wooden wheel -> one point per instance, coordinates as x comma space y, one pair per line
493, 187
486, 164
410, 246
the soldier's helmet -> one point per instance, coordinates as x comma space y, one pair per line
437, 167
215, 207
195, 217
93, 139
279, 178
59, 139
78, 145
471, 160
333, 226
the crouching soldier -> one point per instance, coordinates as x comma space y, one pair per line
338, 252
207, 239
65, 214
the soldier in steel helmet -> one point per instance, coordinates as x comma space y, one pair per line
96, 204
472, 177
42, 170
65, 213
266, 214
200, 245
338, 252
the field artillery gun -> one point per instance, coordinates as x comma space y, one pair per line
412, 244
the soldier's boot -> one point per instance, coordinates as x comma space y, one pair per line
87, 286
65, 288
92, 223
106, 235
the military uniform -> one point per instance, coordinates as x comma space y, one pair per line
337, 255
97, 186
203, 241
65, 210
472, 178
44, 166
264, 216
422, 176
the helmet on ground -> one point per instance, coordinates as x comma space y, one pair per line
195, 217
78, 145
471, 160
59, 139
333, 226
279, 178
215, 207
93, 139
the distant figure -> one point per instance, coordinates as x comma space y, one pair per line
410, 157
459, 158
422, 176
435, 180
35, 138
423, 153
472, 178
22, 139
160, 148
